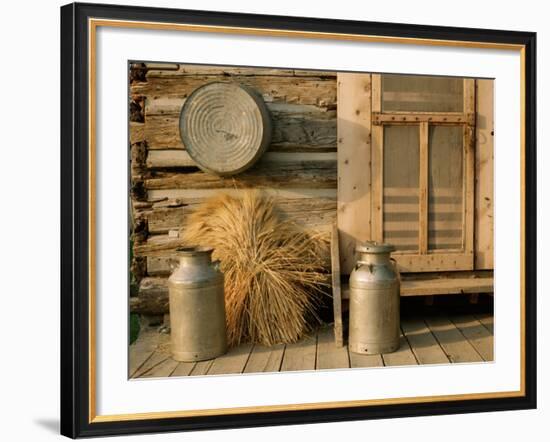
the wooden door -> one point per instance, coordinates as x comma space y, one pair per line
422, 170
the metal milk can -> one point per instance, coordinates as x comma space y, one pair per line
374, 301
197, 308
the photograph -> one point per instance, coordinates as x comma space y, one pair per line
292, 220
275, 220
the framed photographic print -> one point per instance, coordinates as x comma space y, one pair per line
274, 220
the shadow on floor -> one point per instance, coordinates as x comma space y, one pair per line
52, 425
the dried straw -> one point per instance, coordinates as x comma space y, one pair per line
274, 271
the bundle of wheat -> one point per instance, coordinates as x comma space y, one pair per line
274, 271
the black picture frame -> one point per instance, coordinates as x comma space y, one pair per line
75, 220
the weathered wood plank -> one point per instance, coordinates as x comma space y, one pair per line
233, 361
158, 266
179, 158
311, 213
329, 355
434, 262
183, 369
308, 90
480, 338
140, 351
162, 370
137, 132
484, 169
295, 127
444, 286
169, 158
363, 361
278, 174
152, 297
169, 70
201, 368
455, 345
158, 357
403, 356
301, 355
377, 164
487, 320
469, 172
423, 343
423, 190
265, 359
289, 134
336, 287
185, 195
354, 156
157, 245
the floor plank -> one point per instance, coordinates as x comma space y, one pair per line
265, 359
156, 358
479, 336
164, 369
465, 338
328, 354
301, 355
487, 320
457, 348
403, 356
201, 368
358, 360
423, 343
183, 369
140, 351
233, 361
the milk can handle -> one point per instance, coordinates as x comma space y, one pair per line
394, 262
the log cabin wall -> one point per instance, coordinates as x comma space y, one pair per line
299, 168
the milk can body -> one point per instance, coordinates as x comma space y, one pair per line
374, 324
197, 309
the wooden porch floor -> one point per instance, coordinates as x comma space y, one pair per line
430, 340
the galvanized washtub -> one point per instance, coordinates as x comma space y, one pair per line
225, 127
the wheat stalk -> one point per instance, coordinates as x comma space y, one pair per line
274, 271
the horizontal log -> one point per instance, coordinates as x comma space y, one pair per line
186, 195
174, 158
295, 127
158, 245
174, 70
266, 173
158, 266
319, 91
312, 213
152, 297
169, 158
137, 132
158, 106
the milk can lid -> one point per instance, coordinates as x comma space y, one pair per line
374, 247
193, 250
